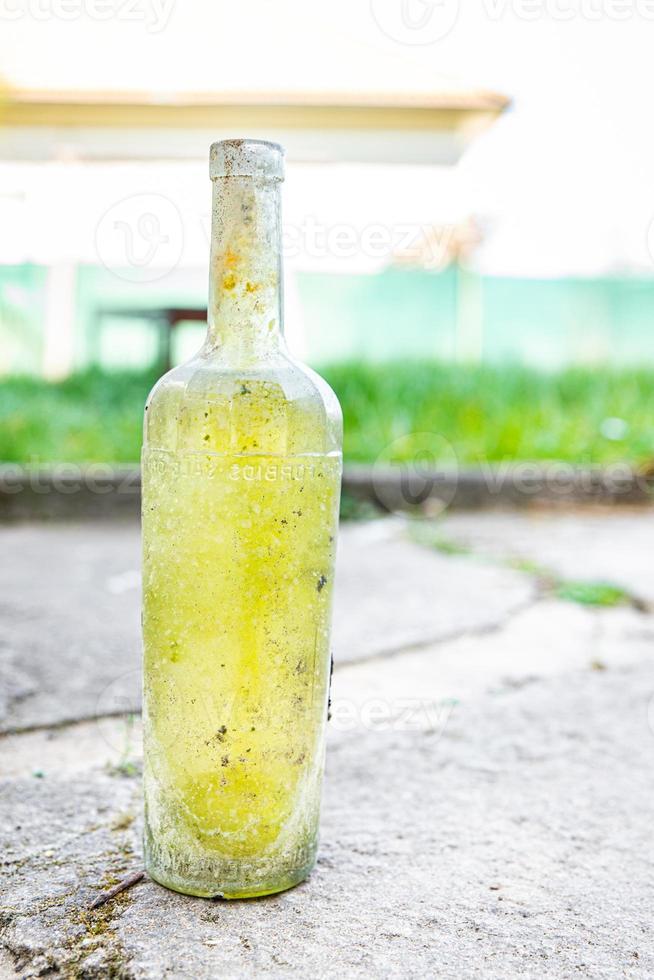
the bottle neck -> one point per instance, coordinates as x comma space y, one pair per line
245, 278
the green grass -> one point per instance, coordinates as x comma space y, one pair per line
428, 534
495, 414
419, 410
592, 593
584, 592
88, 418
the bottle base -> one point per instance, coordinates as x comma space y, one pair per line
229, 891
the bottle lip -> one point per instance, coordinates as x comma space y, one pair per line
246, 158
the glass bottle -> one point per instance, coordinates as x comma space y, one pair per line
241, 485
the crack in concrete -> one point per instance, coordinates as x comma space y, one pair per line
486, 629
64, 723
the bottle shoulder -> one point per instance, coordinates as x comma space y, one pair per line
273, 405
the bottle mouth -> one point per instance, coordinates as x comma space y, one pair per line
246, 158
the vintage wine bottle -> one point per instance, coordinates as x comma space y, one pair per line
241, 485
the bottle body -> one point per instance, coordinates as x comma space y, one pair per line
241, 484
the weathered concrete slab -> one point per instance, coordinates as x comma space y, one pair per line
70, 601
488, 798
548, 639
392, 593
70, 608
614, 546
514, 845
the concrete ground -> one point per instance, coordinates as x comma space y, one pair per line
490, 778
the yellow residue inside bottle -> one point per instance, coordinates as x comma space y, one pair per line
238, 572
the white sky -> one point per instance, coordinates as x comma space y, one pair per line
563, 183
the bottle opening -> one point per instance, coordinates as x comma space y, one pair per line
246, 158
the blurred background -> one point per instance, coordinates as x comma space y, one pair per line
468, 210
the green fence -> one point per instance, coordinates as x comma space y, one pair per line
396, 313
